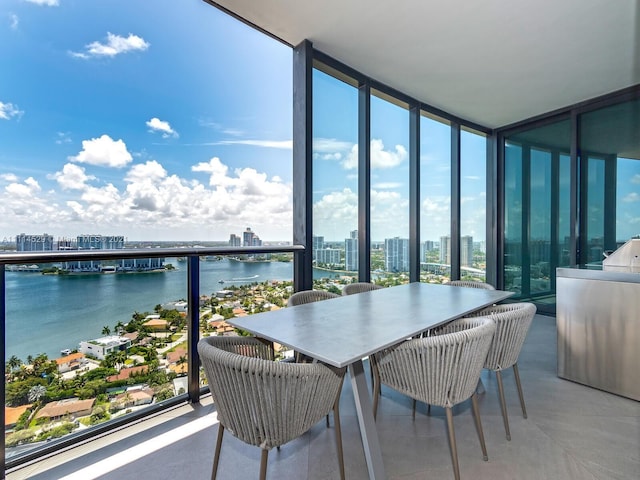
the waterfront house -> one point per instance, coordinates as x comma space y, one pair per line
156, 324
73, 361
126, 373
103, 346
71, 407
133, 397
12, 415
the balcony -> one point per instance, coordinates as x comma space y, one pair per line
572, 431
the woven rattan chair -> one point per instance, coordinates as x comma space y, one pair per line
512, 325
471, 284
266, 403
439, 370
308, 296
359, 287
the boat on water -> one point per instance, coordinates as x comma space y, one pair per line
65, 351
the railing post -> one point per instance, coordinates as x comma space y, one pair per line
193, 299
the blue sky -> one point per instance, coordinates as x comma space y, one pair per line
163, 119
170, 120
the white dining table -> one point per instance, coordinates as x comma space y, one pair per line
343, 331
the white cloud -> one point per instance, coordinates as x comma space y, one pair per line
636, 178
9, 177
13, 21
327, 156
72, 177
216, 169
386, 185
157, 125
47, 3
152, 202
9, 110
283, 144
150, 171
380, 158
330, 145
471, 177
336, 214
114, 45
632, 197
24, 190
103, 151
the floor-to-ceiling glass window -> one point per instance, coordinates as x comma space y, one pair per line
536, 211
335, 177
610, 179
473, 213
389, 190
435, 199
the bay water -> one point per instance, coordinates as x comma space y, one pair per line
48, 313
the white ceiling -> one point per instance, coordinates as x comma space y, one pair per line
493, 62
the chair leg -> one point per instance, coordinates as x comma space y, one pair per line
503, 404
476, 416
216, 455
452, 443
516, 374
263, 464
336, 421
376, 393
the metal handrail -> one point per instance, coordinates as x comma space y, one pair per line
192, 254
15, 258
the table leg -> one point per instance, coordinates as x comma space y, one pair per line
368, 431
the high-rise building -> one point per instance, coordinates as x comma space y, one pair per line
328, 256
34, 243
250, 239
466, 251
317, 243
445, 250
396, 254
234, 240
426, 247
351, 252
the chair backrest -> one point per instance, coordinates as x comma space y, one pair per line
512, 325
471, 284
247, 346
266, 403
359, 287
308, 296
439, 370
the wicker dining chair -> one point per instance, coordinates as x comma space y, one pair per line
439, 370
471, 284
359, 287
266, 403
308, 296
512, 325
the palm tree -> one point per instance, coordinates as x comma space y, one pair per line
14, 362
36, 393
106, 330
119, 328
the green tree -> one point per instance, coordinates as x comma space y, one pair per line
106, 330
14, 362
36, 393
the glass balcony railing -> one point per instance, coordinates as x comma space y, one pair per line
96, 339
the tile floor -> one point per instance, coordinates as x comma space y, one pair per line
573, 432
